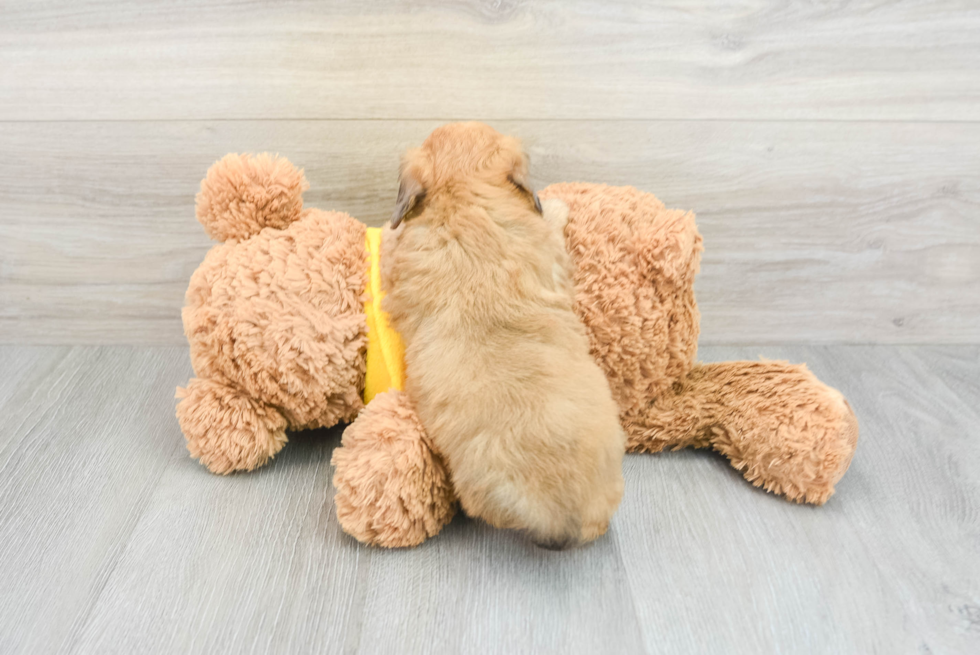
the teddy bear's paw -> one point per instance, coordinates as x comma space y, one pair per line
800, 454
244, 193
226, 429
392, 489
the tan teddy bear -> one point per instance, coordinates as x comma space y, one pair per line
277, 319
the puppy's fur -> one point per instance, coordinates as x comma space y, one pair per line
496, 359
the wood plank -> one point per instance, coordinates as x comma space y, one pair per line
24, 366
113, 540
957, 368
250, 563
888, 565
258, 563
95, 59
85, 436
474, 589
814, 231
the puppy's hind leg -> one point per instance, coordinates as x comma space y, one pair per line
547, 519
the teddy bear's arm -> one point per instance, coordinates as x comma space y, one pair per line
226, 428
392, 489
784, 429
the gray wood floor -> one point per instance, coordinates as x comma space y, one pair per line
113, 540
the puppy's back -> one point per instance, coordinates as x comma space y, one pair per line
497, 361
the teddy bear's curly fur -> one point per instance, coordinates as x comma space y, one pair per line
273, 316
277, 330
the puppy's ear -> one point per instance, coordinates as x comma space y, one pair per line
410, 194
519, 178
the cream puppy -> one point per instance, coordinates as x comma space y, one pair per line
496, 359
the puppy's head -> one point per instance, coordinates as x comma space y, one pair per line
458, 156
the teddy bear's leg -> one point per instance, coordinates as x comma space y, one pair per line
227, 429
392, 489
777, 423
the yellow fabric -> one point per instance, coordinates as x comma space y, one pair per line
385, 351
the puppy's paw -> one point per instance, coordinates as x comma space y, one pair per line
555, 211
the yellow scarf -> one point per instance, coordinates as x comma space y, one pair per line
385, 351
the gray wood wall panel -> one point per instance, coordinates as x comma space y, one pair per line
830, 149
114, 541
912, 60
814, 231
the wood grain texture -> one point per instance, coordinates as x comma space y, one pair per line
480, 590
508, 59
113, 541
239, 564
814, 232
888, 565
85, 437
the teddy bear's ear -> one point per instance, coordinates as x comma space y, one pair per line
410, 192
242, 194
